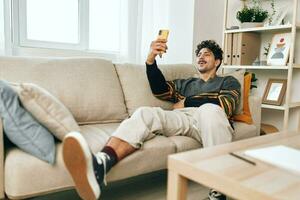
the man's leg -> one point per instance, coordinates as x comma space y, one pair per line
214, 129
144, 124
121, 147
87, 169
147, 122
213, 125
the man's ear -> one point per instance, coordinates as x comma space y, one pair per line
218, 62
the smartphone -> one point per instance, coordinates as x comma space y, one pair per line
163, 34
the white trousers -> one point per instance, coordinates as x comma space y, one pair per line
208, 124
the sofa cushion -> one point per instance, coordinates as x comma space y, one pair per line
97, 135
88, 87
134, 76
152, 157
26, 176
184, 143
46, 109
255, 109
22, 129
243, 131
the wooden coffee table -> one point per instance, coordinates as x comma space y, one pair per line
213, 167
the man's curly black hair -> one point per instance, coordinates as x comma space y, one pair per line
214, 47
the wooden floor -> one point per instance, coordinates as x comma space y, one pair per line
147, 187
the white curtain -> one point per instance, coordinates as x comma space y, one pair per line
5, 30
142, 21
2, 44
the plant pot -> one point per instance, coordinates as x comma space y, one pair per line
251, 24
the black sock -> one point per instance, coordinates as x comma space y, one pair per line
112, 155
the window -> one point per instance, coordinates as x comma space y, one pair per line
70, 24
52, 20
119, 30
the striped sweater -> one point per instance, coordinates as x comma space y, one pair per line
222, 91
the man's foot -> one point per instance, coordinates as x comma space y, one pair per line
87, 170
215, 195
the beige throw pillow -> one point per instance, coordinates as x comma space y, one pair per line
47, 109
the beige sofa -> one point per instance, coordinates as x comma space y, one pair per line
100, 95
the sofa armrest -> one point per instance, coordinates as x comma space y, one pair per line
255, 109
1, 161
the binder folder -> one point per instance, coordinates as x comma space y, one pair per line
228, 49
246, 48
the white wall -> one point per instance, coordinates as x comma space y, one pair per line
181, 20
208, 23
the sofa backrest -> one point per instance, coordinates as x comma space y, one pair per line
89, 87
137, 90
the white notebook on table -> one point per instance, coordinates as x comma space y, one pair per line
281, 156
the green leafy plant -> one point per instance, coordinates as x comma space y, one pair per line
252, 14
267, 49
273, 11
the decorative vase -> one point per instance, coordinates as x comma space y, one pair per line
251, 24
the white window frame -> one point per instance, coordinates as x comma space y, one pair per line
20, 28
21, 45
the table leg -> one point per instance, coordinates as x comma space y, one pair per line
177, 186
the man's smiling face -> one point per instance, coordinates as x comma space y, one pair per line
206, 61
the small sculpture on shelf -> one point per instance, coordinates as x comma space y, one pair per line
266, 50
263, 61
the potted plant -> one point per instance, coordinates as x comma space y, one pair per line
252, 16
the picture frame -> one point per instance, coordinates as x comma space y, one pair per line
274, 92
279, 49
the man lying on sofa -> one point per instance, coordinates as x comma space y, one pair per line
203, 108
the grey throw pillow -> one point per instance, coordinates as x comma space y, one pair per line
22, 129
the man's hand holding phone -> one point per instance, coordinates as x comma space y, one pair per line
158, 46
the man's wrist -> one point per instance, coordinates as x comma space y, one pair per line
150, 59
185, 102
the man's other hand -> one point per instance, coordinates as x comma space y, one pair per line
157, 47
179, 104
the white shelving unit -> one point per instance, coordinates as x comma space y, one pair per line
262, 29
292, 28
254, 67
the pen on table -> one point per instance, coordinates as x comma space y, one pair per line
242, 158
